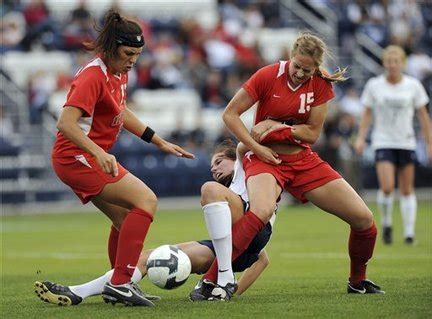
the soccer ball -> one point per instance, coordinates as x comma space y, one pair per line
168, 267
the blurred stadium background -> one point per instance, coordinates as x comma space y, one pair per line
197, 55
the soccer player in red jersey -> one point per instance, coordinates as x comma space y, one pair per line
227, 170
92, 117
296, 93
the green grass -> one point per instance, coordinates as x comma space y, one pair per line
306, 277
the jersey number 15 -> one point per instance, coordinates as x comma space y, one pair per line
306, 99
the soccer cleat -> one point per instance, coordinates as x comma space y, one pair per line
224, 293
127, 294
56, 294
202, 291
387, 235
148, 296
409, 241
364, 287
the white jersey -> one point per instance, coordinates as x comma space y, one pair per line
393, 107
238, 185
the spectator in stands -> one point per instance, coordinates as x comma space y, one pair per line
195, 70
92, 117
12, 31
41, 85
419, 64
7, 130
350, 103
179, 135
212, 94
79, 29
40, 26
220, 54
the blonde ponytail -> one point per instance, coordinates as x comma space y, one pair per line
338, 76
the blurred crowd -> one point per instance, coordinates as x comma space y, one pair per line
180, 53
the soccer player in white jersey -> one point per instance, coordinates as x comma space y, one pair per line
390, 100
227, 172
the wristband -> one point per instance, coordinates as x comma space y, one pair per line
147, 135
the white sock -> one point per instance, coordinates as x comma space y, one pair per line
95, 286
385, 205
408, 206
218, 220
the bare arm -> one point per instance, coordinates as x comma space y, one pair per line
425, 124
265, 127
311, 130
134, 125
67, 124
251, 274
258, 132
240, 103
365, 123
241, 150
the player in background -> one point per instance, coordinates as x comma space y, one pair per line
390, 100
295, 92
227, 171
92, 117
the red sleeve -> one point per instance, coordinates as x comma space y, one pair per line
85, 91
323, 92
259, 83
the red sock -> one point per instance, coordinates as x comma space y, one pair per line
132, 234
243, 232
361, 246
112, 245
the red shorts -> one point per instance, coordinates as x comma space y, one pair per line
84, 175
297, 174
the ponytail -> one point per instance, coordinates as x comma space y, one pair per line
116, 31
338, 76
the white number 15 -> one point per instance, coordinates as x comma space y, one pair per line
306, 99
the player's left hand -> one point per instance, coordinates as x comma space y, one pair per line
176, 150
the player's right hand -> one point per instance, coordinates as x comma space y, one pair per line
267, 155
108, 163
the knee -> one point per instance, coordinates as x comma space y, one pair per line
406, 190
149, 203
264, 211
118, 220
364, 221
210, 193
387, 190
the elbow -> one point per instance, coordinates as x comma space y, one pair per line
311, 139
60, 125
225, 116
266, 261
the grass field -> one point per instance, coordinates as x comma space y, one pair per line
306, 277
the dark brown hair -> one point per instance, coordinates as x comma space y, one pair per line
114, 26
228, 147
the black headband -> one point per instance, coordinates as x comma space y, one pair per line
130, 40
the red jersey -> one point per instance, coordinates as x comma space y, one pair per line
101, 96
278, 100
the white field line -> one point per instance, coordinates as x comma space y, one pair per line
345, 256
96, 256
